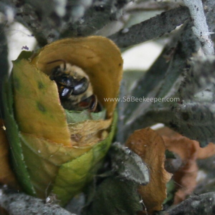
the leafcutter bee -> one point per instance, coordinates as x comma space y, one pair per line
75, 88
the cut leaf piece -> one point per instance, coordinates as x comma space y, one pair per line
82, 170
98, 56
77, 116
37, 107
45, 141
89, 132
151, 148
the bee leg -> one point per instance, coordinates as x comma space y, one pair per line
93, 103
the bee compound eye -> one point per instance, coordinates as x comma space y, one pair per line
56, 71
80, 86
65, 81
65, 92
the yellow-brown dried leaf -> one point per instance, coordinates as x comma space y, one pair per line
89, 132
99, 57
37, 106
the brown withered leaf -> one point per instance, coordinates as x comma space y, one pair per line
151, 148
202, 153
185, 176
206, 152
6, 174
165, 131
189, 151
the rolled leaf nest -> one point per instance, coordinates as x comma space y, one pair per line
55, 150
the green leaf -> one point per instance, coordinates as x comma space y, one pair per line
25, 55
170, 192
73, 176
115, 197
13, 136
81, 116
169, 154
37, 130
128, 164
